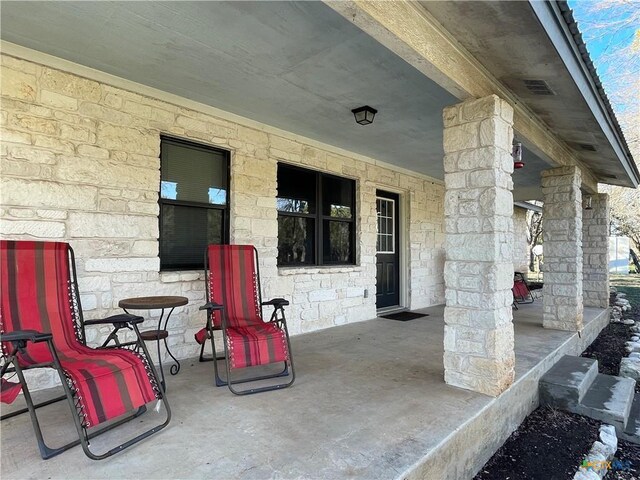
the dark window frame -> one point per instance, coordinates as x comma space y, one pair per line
225, 209
319, 218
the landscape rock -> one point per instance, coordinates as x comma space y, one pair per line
630, 367
595, 464
628, 321
608, 437
632, 346
583, 474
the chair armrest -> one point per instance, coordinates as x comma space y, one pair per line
211, 306
120, 318
25, 335
277, 302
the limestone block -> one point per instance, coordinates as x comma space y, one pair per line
12, 136
92, 151
88, 224
461, 137
18, 64
89, 302
69, 85
133, 264
33, 155
32, 228
191, 124
33, 124
16, 84
479, 109
58, 100
495, 131
53, 143
32, 193
133, 140
99, 171
147, 208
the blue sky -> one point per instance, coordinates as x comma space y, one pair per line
608, 27
600, 40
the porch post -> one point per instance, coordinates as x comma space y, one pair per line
562, 224
595, 246
478, 335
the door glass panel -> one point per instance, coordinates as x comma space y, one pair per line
386, 232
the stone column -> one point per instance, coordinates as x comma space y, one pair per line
595, 247
562, 224
478, 336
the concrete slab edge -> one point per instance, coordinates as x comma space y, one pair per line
462, 453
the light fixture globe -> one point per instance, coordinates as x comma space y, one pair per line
364, 115
517, 155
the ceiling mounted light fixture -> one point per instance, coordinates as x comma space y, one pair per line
364, 115
517, 155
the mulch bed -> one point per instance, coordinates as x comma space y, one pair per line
549, 445
608, 348
629, 456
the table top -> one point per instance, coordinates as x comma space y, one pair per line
149, 303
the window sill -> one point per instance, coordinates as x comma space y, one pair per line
315, 269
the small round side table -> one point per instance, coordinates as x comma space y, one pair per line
157, 303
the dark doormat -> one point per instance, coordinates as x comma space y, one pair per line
405, 316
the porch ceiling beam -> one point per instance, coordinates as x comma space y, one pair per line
412, 33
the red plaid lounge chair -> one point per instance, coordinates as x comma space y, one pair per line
41, 325
234, 305
521, 292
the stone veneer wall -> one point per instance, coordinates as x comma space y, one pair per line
80, 163
520, 244
595, 250
478, 332
562, 224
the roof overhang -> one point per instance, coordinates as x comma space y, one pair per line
521, 42
557, 20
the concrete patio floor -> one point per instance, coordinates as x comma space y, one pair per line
369, 402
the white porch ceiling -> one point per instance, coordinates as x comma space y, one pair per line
300, 67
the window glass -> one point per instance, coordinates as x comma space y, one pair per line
193, 174
193, 202
186, 231
337, 197
296, 241
296, 190
337, 242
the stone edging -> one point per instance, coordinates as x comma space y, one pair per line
629, 365
595, 464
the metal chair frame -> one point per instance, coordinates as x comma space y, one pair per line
277, 317
10, 364
517, 276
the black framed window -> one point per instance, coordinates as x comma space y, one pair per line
194, 202
316, 218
